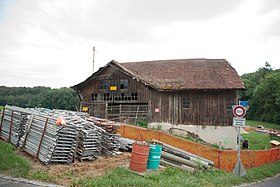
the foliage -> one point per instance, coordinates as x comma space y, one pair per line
258, 140
11, 163
140, 123
63, 98
175, 177
263, 94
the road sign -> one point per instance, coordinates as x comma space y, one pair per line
244, 103
239, 122
239, 111
239, 169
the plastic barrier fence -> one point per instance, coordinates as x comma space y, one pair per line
223, 159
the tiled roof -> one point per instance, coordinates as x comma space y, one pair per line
185, 74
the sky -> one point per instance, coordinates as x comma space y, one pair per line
50, 42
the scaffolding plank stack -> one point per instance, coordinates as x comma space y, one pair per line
59, 136
12, 126
89, 144
110, 140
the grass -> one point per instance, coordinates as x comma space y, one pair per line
174, 177
15, 165
140, 123
198, 141
259, 141
40, 175
11, 163
264, 124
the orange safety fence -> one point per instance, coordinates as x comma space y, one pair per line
223, 159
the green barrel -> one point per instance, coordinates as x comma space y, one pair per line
154, 156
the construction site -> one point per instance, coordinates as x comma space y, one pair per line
61, 142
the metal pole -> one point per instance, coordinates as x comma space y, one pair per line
239, 169
3, 113
238, 155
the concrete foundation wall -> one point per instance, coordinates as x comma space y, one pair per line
219, 135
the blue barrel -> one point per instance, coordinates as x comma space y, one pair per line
154, 156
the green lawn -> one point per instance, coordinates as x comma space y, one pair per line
258, 140
11, 163
174, 177
264, 124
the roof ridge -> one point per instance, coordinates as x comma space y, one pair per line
180, 59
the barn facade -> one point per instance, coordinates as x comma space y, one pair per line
184, 91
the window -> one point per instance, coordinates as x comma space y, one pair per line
186, 103
107, 97
117, 97
134, 96
94, 97
103, 85
123, 84
230, 102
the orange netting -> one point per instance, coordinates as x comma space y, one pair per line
223, 159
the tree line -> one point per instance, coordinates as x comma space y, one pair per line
46, 97
263, 94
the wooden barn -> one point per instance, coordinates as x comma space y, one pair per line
183, 91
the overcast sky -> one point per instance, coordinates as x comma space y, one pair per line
49, 42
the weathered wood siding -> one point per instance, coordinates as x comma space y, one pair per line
113, 75
206, 107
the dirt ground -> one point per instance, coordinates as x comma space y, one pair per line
62, 174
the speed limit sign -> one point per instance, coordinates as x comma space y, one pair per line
239, 111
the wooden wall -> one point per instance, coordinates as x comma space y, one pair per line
206, 107
113, 75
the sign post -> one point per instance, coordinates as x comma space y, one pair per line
238, 121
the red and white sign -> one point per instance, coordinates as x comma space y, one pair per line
156, 109
239, 111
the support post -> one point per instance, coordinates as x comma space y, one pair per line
239, 169
2, 119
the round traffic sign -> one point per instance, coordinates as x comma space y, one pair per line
239, 111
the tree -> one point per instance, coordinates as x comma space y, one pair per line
263, 94
63, 98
